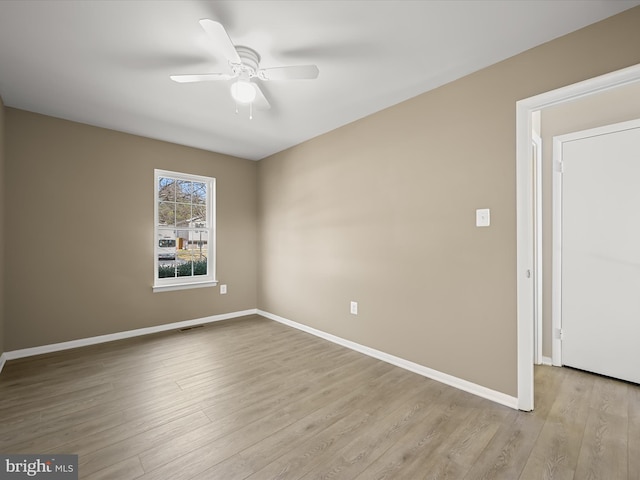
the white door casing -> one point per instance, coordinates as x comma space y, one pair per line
537, 247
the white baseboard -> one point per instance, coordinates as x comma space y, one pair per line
83, 342
546, 361
3, 360
447, 379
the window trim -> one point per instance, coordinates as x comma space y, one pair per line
183, 283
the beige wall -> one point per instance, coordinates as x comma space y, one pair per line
612, 106
381, 211
2, 207
79, 231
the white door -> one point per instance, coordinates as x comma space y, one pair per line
600, 250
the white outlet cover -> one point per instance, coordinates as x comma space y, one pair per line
223, 289
483, 217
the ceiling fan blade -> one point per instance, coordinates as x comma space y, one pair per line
294, 72
221, 39
261, 101
203, 77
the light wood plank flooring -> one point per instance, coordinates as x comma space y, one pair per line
253, 399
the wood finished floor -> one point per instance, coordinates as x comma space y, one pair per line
253, 399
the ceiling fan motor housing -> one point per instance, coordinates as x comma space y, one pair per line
250, 61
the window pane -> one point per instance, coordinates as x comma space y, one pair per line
166, 269
166, 253
199, 213
183, 214
198, 244
199, 193
166, 213
183, 191
166, 244
182, 239
185, 268
166, 189
200, 267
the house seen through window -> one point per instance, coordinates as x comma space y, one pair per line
184, 231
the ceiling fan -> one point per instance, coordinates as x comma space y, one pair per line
244, 63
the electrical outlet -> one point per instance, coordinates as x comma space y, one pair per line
223, 289
354, 308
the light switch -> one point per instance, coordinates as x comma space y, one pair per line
483, 217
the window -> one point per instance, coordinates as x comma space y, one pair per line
184, 237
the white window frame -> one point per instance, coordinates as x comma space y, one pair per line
181, 283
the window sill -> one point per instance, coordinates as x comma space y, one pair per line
183, 286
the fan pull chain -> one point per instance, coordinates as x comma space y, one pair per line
251, 111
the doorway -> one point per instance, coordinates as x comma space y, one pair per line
527, 215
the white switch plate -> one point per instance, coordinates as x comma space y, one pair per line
354, 308
223, 289
483, 217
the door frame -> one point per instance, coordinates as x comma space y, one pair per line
537, 248
526, 270
556, 295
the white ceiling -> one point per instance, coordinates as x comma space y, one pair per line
107, 63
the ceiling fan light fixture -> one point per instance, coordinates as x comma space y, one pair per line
243, 91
